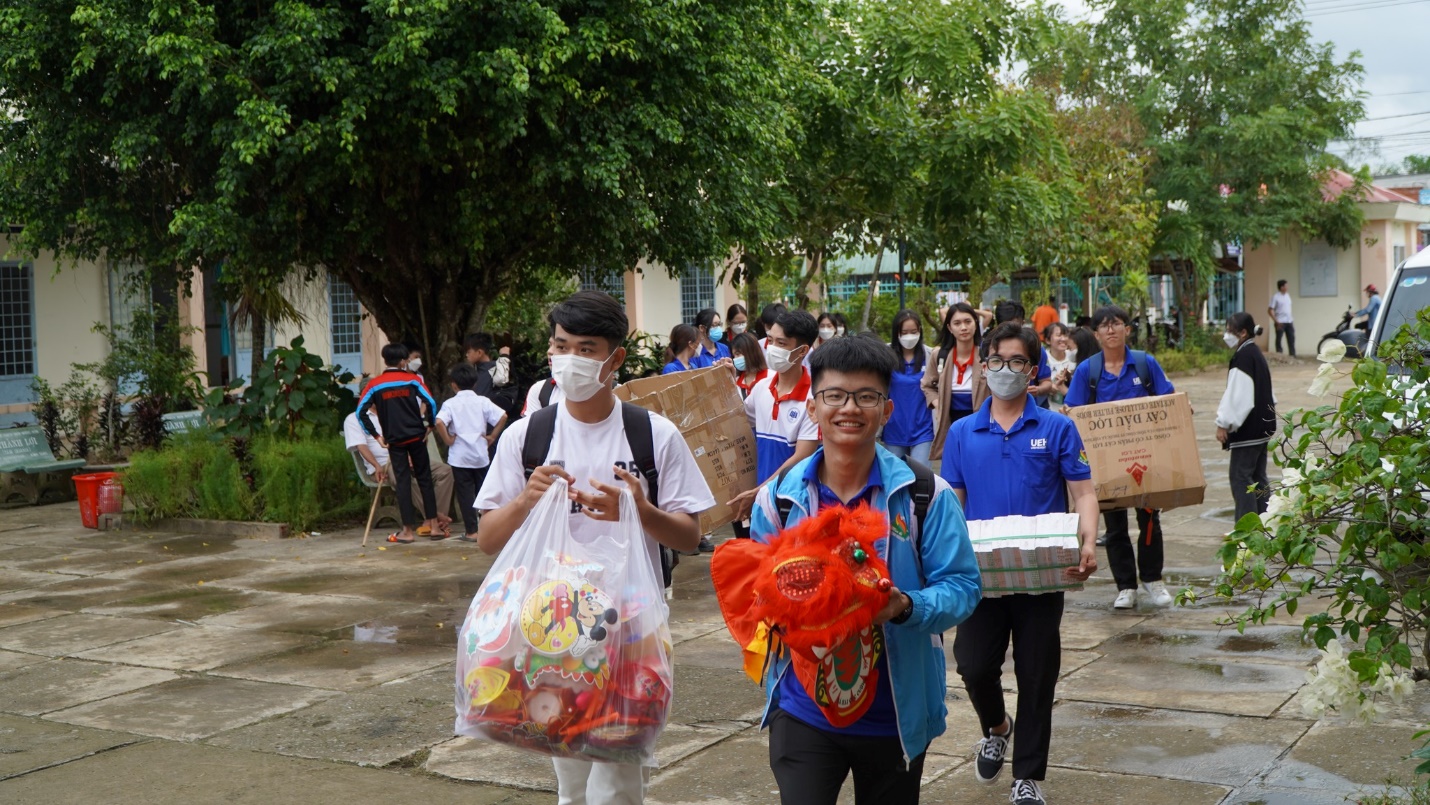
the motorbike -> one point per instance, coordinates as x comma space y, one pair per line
1353, 337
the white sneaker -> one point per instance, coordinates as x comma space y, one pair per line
1126, 599
1157, 593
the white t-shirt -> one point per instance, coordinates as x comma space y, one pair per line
589, 451
469, 417
1281, 307
354, 436
533, 397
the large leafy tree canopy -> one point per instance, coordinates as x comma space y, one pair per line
1238, 104
425, 151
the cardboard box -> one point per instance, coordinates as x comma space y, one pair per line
707, 408
1143, 452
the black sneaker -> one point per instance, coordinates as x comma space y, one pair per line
706, 546
1102, 539
1026, 792
991, 752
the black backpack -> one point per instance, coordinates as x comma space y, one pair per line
922, 493
546, 390
1139, 365
542, 427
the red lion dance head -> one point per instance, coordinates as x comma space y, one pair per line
816, 584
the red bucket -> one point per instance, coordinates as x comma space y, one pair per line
111, 496
87, 488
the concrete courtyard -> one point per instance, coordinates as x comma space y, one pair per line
147, 667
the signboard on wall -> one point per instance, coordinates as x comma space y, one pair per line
1318, 269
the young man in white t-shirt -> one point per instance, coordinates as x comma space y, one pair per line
1280, 310
377, 468
590, 451
469, 425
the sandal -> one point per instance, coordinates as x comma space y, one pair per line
464, 538
397, 537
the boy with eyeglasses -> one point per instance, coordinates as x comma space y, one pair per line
896, 704
1011, 457
1122, 373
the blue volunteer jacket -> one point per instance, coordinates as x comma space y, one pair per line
944, 594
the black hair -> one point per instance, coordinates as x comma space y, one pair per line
908, 315
1007, 310
734, 310
394, 353
1010, 331
1053, 300
478, 341
1107, 313
946, 339
1280, 284
863, 352
771, 314
1082, 320
1056, 326
591, 313
826, 315
1242, 322
840, 321
1086, 341
706, 317
413, 348
799, 325
749, 346
681, 336
463, 376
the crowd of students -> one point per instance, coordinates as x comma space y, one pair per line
839, 419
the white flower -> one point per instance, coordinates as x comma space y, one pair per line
1322, 382
1279, 505
1332, 352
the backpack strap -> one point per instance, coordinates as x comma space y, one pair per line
546, 390
541, 427
1094, 374
784, 505
638, 436
1144, 372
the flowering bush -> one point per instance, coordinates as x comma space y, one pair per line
1348, 525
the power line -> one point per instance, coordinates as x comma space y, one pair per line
1373, 5
1392, 117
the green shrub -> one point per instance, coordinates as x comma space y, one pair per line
1177, 360
222, 492
195, 475
306, 482
292, 396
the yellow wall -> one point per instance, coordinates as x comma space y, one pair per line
1313, 315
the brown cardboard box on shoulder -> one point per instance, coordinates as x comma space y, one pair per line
1143, 452
706, 408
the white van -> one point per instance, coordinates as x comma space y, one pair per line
1407, 295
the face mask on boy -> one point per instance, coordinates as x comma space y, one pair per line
579, 378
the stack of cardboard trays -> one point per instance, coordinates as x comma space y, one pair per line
1019, 554
706, 407
1143, 452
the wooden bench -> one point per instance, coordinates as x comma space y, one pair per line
29, 472
183, 421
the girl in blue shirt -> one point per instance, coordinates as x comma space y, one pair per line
709, 349
909, 431
680, 355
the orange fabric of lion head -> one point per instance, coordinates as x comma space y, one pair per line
816, 583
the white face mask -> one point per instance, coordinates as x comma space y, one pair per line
737, 329
909, 341
414, 364
1005, 384
826, 333
579, 378
839, 331
780, 359
1231, 340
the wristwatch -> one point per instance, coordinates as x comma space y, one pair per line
906, 614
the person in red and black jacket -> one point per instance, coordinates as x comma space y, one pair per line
407, 412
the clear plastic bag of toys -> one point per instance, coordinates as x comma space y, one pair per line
565, 649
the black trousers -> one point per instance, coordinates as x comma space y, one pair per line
1146, 562
467, 481
979, 646
810, 765
1248, 466
1289, 330
410, 461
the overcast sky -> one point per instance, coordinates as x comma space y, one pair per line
1393, 38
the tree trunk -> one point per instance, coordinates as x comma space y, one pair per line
815, 261
873, 283
258, 332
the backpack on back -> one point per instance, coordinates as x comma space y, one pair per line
542, 428
1139, 365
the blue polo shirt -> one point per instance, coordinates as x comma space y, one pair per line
912, 421
676, 366
703, 359
1124, 386
880, 720
1018, 471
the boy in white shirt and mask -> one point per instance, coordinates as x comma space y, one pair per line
591, 450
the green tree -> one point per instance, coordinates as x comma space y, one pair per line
426, 152
1416, 163
1238, 103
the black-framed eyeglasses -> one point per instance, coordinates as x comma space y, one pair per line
996, 364
1111, 324
864, 398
